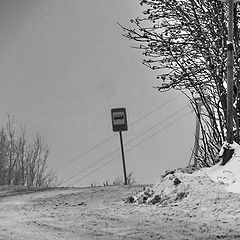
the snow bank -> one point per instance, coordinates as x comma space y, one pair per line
172, 187
192, 184
234, 187
228, 174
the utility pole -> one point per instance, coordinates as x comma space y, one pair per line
197, 130
230, 48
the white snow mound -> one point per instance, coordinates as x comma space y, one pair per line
228, 174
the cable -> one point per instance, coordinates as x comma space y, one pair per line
84, 153
108, 138
162, 105
117, 149
93, 164
182, 116
162, 121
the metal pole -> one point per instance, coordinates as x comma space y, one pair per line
123, 158
197, 131
230, 49
230, 75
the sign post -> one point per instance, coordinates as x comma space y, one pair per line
119, 124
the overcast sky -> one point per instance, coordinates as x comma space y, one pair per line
64, 65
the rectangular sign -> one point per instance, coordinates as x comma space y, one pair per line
119, 119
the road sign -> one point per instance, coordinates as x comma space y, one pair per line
119, 119
119, 124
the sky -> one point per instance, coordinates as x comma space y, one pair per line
63, 66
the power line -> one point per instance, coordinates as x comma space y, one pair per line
154, 110
110, 137
84, 153
117, 149
114, 159
157, 124
130, 141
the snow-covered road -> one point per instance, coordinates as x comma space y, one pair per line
208, 212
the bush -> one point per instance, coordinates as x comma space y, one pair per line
23, 161
120, 181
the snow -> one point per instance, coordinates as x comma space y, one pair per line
204, 212
229, 174
234, 187
186, 203
187, 183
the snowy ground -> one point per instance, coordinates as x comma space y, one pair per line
206, 211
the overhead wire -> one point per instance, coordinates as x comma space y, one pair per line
144, 140
110, 137
117, 149
130, 141
154, 110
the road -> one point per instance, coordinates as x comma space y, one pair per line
101, 213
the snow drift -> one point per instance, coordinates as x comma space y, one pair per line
229, 174
189, 183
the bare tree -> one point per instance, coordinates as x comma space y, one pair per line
23, 162
185, 42
3, 157
36, 162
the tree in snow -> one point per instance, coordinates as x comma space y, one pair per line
23, 161
185, 42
